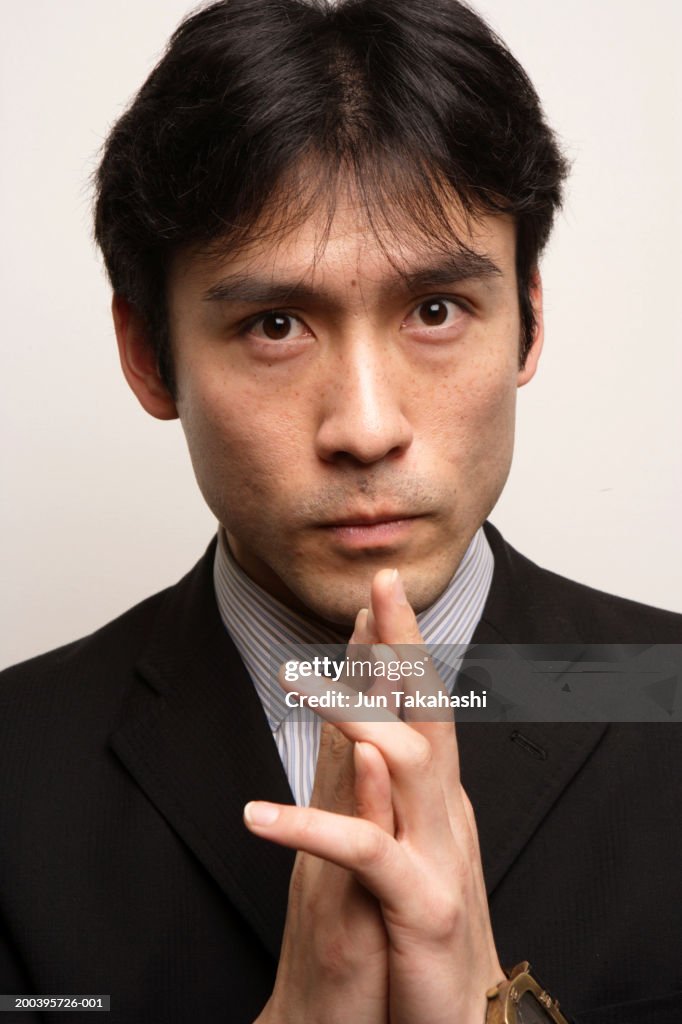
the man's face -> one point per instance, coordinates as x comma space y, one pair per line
343, 417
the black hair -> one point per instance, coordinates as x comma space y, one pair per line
258, 106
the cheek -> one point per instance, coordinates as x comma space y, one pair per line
240, 445
476, 414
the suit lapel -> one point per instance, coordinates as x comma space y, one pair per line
514, 773
196, 740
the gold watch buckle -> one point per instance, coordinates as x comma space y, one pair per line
503, 999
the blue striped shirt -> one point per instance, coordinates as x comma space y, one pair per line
257, 622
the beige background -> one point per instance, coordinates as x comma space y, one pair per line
99, 506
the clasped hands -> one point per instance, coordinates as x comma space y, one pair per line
388, 917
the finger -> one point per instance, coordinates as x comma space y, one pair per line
390, 613
409, 757
383, 689
373, 799
360, 846
359, 650
334, 770
372, 632
363, 632
333, 787
397, 625
419, 680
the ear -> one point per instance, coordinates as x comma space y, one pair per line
138, 361
530, 364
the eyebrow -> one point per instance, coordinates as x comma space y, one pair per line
462, 265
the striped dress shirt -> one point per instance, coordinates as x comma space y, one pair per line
258, 623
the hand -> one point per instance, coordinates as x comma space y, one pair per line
423, 863
333, 966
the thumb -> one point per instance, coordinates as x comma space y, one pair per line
333, 788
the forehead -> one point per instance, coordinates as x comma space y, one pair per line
348, 242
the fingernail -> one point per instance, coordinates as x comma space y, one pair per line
260, 813
360, 626
398, 590
359, 759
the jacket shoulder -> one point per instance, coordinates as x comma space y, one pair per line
599, 614
557, 608
105, 659
116, 643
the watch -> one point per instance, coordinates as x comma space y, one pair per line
521, 999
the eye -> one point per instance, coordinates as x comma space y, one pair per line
435, 312
277, 326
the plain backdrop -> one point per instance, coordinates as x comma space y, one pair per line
99, 504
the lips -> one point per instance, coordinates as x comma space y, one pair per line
376, 519
381, 532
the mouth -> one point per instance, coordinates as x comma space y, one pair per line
372, 531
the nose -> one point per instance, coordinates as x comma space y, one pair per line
362, 416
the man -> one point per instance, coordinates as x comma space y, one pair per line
322, 228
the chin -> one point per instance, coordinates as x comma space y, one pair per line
337, 608
337, 600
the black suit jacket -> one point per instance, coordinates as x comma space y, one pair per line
125, 869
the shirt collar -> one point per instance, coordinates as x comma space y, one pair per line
257, 622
